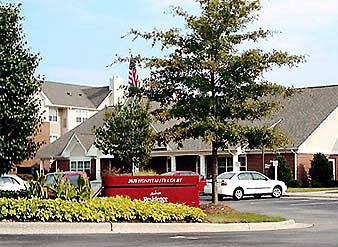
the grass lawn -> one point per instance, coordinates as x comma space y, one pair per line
222, 213
309, 189
241, 218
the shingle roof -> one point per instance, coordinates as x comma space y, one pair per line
74, 95
84, 132
301, 115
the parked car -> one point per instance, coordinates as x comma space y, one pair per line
72, 176
202, 179
12, 183
239, 184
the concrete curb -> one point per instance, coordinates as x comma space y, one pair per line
20, 228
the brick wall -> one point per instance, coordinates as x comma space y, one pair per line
255, 161
42, 136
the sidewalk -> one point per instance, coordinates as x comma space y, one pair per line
21, 228
332, 194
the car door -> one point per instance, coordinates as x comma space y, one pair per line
246, 182
262, 183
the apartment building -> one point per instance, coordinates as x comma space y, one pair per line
65, 106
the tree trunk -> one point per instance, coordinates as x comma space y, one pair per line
214, 173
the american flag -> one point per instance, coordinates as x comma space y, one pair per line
133, 77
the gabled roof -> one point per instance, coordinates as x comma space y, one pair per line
74, 95
84, 132
301, 115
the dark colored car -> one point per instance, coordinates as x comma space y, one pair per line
202, 179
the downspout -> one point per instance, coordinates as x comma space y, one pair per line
295, 163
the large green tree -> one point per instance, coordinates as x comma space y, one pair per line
19, 106
127, 133
211, 82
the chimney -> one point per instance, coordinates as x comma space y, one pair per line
115, 86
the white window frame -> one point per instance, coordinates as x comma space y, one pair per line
53, 114
53, 137
85, 165
81, 115
334, 167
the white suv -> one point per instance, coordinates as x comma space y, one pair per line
239, 184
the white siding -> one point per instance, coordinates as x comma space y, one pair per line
325, 138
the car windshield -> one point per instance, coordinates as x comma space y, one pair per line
227, 175
50, 179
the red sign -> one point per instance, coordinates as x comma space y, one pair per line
175, 189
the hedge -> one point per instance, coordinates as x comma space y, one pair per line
109, 209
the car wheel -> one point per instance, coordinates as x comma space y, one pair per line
277, 192
238, 194
220, 197
258, 196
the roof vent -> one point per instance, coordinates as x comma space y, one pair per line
69, 93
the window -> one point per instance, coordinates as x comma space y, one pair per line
80, 165
81, 116
257, 176
225, 164
52, 138
244, 176
53, 114
243, 166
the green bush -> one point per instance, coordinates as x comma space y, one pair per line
13, 194
62, 188
283, 171
295, 184
321, 171
109, 209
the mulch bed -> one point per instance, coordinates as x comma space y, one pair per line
217, 209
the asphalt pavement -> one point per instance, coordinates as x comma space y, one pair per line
322, 213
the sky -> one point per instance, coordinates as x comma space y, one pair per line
77, 39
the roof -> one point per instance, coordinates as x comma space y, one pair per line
84, 132
74, 95
301, 115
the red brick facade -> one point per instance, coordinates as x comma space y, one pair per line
42, 136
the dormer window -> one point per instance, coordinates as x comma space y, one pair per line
53, 114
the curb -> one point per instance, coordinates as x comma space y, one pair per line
21, 228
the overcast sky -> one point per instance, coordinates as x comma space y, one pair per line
78, 38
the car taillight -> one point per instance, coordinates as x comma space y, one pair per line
223, 183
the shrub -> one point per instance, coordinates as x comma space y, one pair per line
109, 209
283, 170
62, 188
321, 171
295, 184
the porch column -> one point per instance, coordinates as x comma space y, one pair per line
98, 169
173, 163
42, 170
202, 166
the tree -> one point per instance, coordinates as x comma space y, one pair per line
127, 133
210, 83
283, 170
19, 106
321, 170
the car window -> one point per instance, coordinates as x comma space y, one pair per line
4, 180
227, 175
244, 176
14, 181
50, 179
257, 176
74, 179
